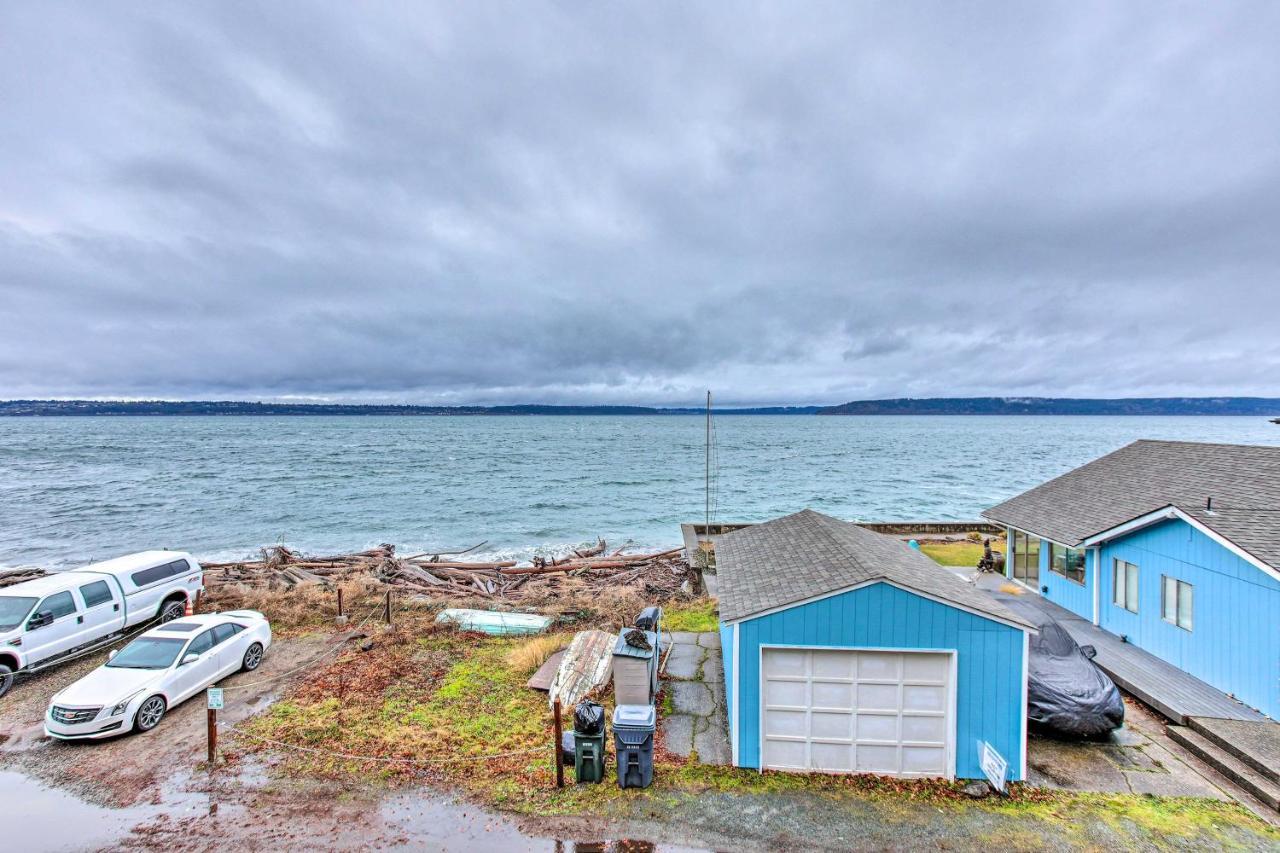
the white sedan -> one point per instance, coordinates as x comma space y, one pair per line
159, 669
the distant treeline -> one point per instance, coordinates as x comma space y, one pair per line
1254, 406
1258, 406
71, 408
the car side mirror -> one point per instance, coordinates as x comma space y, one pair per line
44, 617
186, 659
111, 654
1089, 651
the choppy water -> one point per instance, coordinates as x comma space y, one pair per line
74, 489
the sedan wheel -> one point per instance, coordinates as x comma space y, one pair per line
173, 610
6, 679
149, 714
252, 657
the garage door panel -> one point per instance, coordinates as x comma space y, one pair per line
788, 662
926, 668
792, 693
924, 729
833, 664
880, 665
916, 697
877, 727
862, 711
831, 757
828, 724
832, 695
880, 697
876, 759
786, 754
780, 723
924, 760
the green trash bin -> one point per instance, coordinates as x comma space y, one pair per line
588, 757
588, 741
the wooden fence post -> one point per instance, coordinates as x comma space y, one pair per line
559, 751
213, 737
387, 611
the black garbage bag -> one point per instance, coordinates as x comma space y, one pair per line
567, 745
1066, 692
588, 718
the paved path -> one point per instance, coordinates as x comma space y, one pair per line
694, 685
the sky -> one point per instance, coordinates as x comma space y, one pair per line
485, 203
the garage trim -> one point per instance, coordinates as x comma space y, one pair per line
952, 683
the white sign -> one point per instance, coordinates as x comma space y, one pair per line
993, 764
215, 698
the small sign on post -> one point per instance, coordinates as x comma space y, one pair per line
993, 764
214, 702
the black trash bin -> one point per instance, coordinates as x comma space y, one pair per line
633, 728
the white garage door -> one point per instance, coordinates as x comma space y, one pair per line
857, 711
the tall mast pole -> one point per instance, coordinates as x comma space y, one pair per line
708, 474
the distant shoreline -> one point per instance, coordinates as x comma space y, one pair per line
972, 406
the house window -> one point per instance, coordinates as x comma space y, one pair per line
1026, 558
1068, 562
1125, 590
1177, 602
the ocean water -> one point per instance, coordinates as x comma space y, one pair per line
79, 489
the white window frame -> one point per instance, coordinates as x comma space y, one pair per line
1120, 584
1166, 583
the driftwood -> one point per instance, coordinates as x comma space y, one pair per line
9, 577
658, 576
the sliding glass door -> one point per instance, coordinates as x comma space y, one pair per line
1026, 558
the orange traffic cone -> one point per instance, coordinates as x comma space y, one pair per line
189, 611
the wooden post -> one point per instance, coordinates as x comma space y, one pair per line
559, 751
339, 602
213, 737
387, 611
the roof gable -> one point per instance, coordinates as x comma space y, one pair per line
1147, 476
808, 555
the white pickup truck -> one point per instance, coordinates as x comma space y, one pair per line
47, 619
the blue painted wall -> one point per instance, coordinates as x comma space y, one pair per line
1234, 643
1066, 593
989, 703
726, 654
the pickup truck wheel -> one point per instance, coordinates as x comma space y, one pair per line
175, 609
252, 658
150, 712
6, 678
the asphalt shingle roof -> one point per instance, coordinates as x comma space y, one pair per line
797, 557
1243, 480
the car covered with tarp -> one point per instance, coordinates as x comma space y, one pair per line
1067, 693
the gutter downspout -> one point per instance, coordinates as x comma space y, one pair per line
1097, 581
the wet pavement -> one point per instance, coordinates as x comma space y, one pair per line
694, 682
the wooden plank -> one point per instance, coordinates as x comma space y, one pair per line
542, 679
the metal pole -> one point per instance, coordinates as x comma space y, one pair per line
559, 751
213, 736
708, 474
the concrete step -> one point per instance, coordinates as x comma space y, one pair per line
1255, 743
1244, 775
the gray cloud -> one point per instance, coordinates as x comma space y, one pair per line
557, 202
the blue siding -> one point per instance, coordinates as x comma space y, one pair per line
1067, 593
1234, 643
727, 655
989, 702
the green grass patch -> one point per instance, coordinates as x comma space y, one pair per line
957, 553
693, 616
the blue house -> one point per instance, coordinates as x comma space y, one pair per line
845, 651
1175, 546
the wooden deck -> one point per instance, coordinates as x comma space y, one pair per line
1174, 693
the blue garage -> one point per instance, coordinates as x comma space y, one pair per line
846, 651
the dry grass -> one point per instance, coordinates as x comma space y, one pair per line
528, 656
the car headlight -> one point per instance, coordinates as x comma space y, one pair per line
124, 703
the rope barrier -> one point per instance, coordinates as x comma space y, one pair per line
353, 757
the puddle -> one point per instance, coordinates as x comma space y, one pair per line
48, 818
443, 824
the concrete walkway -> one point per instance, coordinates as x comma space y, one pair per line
695, 720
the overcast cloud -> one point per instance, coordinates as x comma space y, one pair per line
600, 202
